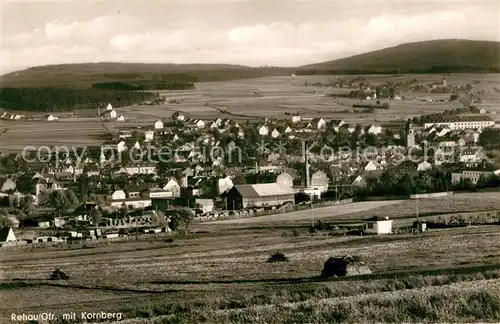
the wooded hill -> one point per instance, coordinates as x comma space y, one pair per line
436, 56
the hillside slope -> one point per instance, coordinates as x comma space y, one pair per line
436, 56
84, 74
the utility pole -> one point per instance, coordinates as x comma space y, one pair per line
418, 217
454, 205
136, 229
312, 213
336, 189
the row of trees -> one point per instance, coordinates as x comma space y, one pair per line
490, 138
60, 200
144, 85
443, 116
394, 183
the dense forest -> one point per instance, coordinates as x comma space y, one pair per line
54, 99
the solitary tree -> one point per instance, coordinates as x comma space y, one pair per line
124, 209
95, 215
181, 218
58, 201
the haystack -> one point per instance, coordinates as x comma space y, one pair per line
58, 275
344, 266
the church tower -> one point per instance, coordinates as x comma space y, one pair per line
410, 136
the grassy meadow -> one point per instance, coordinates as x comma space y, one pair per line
221, 274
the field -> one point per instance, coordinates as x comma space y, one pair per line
244, 99
74, 133
394, 209
220, 274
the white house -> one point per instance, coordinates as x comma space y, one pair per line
200, 123
180, 117
423, 166
288, 130
378, 225
216, 123
275, 133
173, 187
285, 179
121, 118
51, 118
118, 195
372, 166
112, 113
149, 135
109, 107
375, 130
296, 119
472, 156
482, 111
158, 124
443, 132
224, 184
318, 123
263, 130
121, 146
320, 180
359, 182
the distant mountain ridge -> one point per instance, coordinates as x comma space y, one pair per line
436, 56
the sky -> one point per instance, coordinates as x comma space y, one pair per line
255, 33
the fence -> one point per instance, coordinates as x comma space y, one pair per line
80, 243
226, 214
432, 195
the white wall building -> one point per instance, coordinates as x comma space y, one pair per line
377, 225
464, 124
158, 124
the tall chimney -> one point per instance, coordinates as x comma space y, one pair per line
306, 160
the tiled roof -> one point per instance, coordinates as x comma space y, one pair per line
263, 189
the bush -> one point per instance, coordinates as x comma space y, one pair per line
58, 275
278, 257
169, 240
344, 266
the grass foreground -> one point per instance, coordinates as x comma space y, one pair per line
223, 276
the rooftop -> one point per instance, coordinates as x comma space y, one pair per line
263, 189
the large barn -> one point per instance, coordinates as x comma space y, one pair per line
259, 195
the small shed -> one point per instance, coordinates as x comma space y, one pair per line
378, 225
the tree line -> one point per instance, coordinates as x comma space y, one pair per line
444, 116
394, 183
143, 85
54, 99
